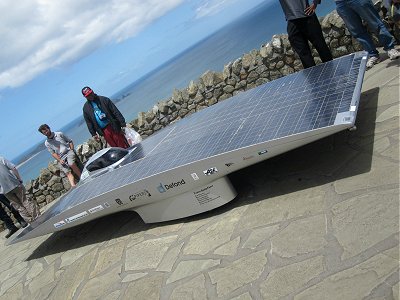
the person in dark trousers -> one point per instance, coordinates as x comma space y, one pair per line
303, 26
104, 119
8, 222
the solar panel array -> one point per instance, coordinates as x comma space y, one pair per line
304, 101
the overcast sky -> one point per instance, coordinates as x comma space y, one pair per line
50, 49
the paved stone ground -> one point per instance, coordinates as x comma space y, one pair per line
320, 222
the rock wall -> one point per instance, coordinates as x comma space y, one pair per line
273, 60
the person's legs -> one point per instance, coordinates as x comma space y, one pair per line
17, 203
71, 159
314, 34
7, 220
355, 26
299, 43
15, 213
71, 178
29, 210
369, 14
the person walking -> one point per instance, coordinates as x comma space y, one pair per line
8, 222
104, 119
303, 26
353, 13
11, 186
61, 148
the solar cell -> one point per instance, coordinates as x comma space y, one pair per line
270, 119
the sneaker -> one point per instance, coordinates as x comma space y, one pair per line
11, 232
393, 54
372, 60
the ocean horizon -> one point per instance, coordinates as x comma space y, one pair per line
248, 32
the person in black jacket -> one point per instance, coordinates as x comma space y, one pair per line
104, 119
303, 26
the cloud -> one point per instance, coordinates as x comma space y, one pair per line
211, 7
38, 35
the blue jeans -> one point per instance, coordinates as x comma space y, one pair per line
353, 12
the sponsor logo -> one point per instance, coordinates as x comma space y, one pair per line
59, 224
229, 164
164, 187
119, 201
144, 193
210, 171
262, 152
95, 209
77, 217
248, 157
194, 176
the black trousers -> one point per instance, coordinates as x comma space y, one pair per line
3, 215
301, 31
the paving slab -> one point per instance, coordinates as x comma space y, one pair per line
319, 222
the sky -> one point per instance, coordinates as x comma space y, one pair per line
50, 49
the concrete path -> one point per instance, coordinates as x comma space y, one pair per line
320, 222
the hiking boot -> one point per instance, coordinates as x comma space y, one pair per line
372, 60
393, 54
11, 232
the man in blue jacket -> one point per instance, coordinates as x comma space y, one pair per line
303, 26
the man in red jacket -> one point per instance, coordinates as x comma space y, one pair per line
104, 119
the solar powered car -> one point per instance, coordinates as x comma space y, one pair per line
182, 169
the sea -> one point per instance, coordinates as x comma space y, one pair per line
247, 32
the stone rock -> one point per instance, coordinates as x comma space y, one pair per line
163, 107
332, 20
261, 69
149, 116
211, 79
253, 76
300, 237
53, 166
248, 59
85, 149
237, 66
193, 289
238, 273
189, 267
266, 51
148, 254
229, 89
41, 199
44, 176
49, 199
366, 276
177, 96
276, 43
57, 187
193, 88
232, 81
283, 281
226, 73
53, 180
217, 93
